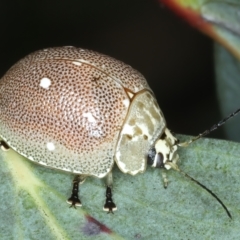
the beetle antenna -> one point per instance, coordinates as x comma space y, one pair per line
175, 167
213, 128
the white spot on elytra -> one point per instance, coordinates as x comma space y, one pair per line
126, 103
84, 61
50, 146
45, 83
90, 117
77, 63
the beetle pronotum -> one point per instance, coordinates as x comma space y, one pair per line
80, 111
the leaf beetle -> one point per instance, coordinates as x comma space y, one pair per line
80, 111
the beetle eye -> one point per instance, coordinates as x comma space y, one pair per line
159, 160
151, 156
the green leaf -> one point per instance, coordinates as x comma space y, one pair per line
227, 69
218, 19
224, 14
221, 21
34, 204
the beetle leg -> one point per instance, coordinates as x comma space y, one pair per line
165, 180
3, 145
170, 164
74, 199
109, 205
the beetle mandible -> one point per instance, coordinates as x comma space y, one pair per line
80, 111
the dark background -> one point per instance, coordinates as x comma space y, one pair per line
176, 59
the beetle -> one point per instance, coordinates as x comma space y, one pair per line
80, 111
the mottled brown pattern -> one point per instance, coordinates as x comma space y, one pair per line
81, 112
143, 125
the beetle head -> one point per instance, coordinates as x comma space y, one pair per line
164, 151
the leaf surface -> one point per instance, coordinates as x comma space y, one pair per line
34, 204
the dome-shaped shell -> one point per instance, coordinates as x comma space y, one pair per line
65, 108
124, 74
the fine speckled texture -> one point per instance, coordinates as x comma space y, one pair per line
143, 126
65, 107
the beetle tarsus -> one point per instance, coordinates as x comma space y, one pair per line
74, 199
3, 146
165, 180
109, 205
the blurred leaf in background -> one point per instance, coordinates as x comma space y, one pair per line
221, 21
